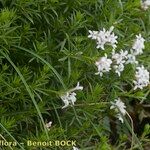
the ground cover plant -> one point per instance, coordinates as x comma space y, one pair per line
74, 71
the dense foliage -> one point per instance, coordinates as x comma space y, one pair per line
45, 51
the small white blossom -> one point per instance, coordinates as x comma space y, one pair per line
118, 60
103, 37
118, 69
103, 65
78, 87
142, 78
119, 106
93, 35
138, 45
75, 148
131, 59
145, 4
48, 125
119, 57
69, 98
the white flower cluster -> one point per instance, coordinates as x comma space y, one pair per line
118, 60
103, 65
119, 106
138, 45
103, 37
145, 4
142, 75
69, 98
137, 49
142, 78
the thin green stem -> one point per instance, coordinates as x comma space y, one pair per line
132, 132
132, 143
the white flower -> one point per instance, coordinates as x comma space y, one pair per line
69, 98
103, 37
145, 4
142, 78
138, 45
48, 125
119, 106
103, 65
118, 69
93, 35
131, 59
118, 60
119, 57
75, 148
78, 87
